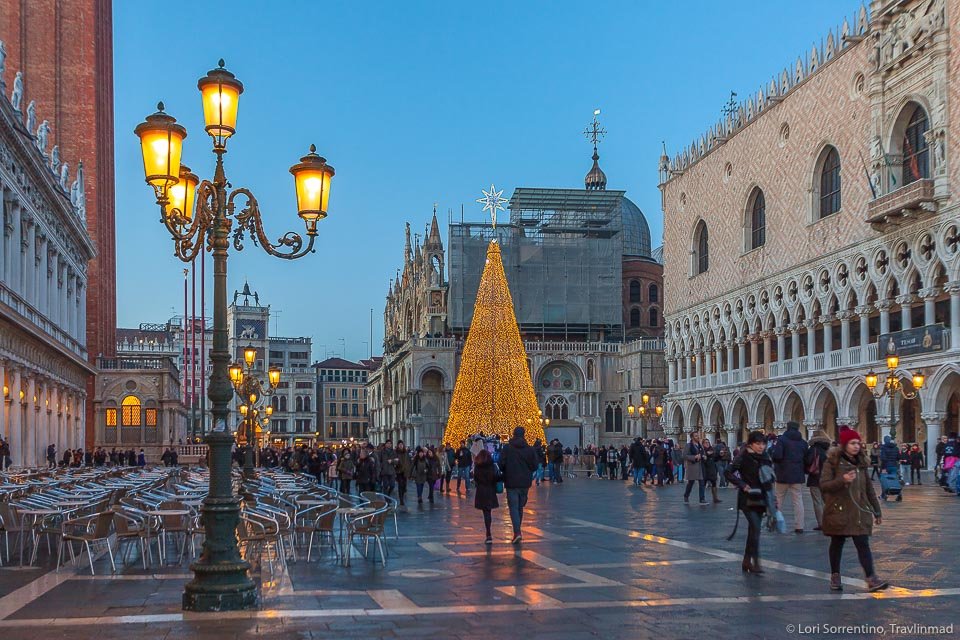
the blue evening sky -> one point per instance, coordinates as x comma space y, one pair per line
415, 103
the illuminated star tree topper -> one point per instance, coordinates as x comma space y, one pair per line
492, 202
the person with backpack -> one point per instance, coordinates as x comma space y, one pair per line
518, 462
851, 507
788, 453
751, 473
813, 465
486, 477
916, 464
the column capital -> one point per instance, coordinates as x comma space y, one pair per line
826, 319
845, 316
884, 421
932, 419
779, 331
864, 309
755, 426
810, 323
846, 421
794, 327
952, 287
929, 292
907, 298
779, 427
883, 305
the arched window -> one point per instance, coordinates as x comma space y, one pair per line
830, 183
306, 403
591, 369
275, 403
758, 220
916, 156
557, 408
654, 317
701, 249
634, 317
634, 291
130, 412
299, 403
283, 403
608, 419
653, 293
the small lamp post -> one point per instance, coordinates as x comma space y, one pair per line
892, 386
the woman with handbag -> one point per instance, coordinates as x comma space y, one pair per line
745, 474
851, 507
488, 483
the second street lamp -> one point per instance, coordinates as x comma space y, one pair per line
210, 215
892, 386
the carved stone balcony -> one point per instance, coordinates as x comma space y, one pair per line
906, 202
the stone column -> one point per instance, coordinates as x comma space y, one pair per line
16, 251
794, 342
811, 326
731, 437
883, 306
929, 296
933, 422
672, 372
30, 273
953, 288
906, 307
742, 352
699, 366
827, 322
708, 361
766, 335
884, 423
3, 365
15, 420
811, 426
780, 332
845, 317
754, 342
30, 430
728, 345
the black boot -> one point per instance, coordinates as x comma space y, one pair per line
755, 565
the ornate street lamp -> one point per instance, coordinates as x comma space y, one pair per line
892, 386
208, 215
254, 396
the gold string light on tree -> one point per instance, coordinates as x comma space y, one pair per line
493, 392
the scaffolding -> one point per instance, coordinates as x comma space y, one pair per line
563, 257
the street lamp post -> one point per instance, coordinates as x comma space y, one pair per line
253, 399
892, 386
199, 216
647, 406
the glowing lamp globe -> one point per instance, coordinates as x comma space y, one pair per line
182, 196
312, 177
243, 410
269, 410
631, 409
646, 398
161, 143
236, 373
893, 362
220, 91
918, 379
871, 380
659, 410
274, 376
249, 355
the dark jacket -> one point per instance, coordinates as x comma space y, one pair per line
848, 510
889, 454
639, 456
819, 446
485, 478
518, 462
710, 465
555, 453
420, 470
366, 470
744, 471
788, 454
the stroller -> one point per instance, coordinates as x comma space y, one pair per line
890, 485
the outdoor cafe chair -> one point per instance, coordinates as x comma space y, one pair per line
88, 529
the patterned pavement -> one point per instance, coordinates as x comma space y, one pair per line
599, 559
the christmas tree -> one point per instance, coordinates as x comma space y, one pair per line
493, 392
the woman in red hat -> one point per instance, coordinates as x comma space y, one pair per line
850, 507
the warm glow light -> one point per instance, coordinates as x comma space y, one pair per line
183, 195
893, 362
659, 411
161, 142
312, 179
493, 392
6, 391
236, 373
918, 379
249, 355
273, 375
643, 410
646, 398
546, 422
631, 409
220, 91
253, 398
871, 380
269, 410
243, 410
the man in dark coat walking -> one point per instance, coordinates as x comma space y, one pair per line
518, 462
788, 454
